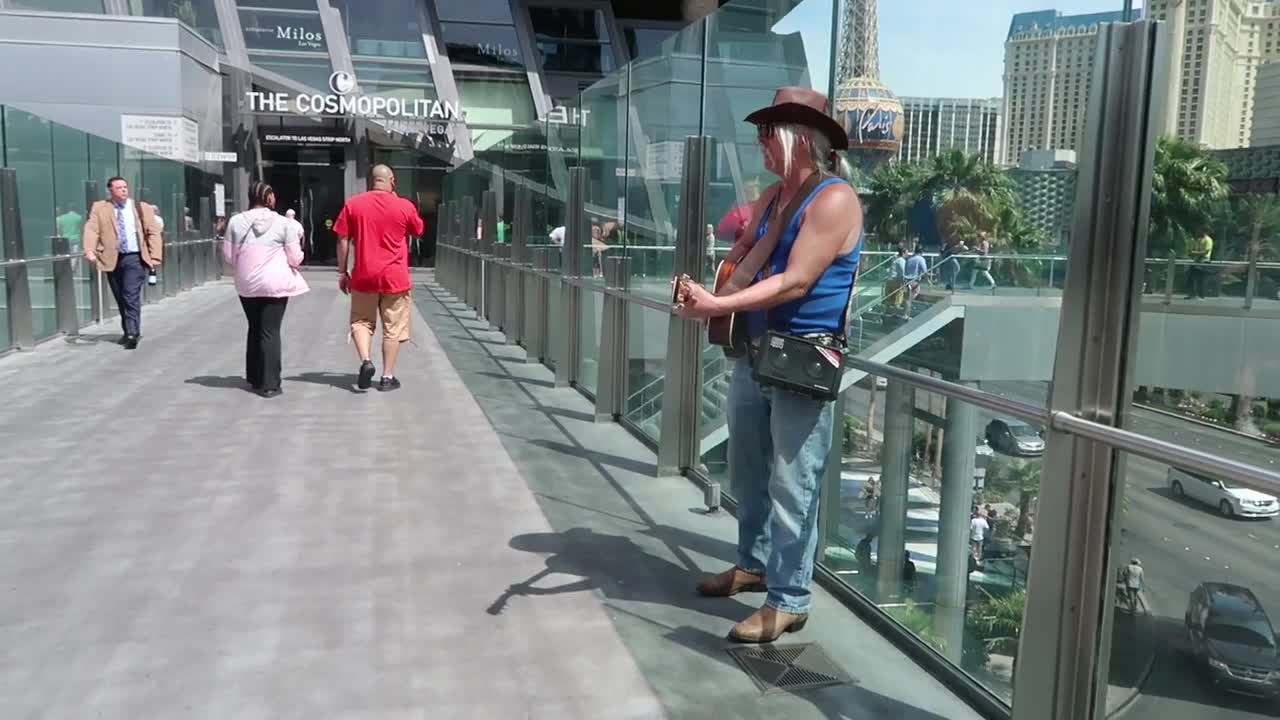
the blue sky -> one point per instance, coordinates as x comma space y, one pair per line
948, 48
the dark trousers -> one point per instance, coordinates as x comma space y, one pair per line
1197, 280
262, 346
126, 286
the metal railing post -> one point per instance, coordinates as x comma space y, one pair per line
66, 310
501, 276
467, 232
488, 232
536, 298
450, 279
519, 269
16, 281
678, 437
1064, 646
444, 254
1251, 277
95, 277
576, 241
207, 257
611, 384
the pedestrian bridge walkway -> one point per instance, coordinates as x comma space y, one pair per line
472, 546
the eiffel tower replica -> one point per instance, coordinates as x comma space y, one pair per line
870, 112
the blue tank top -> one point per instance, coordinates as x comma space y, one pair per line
823, 309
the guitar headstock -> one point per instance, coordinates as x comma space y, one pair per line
678, 292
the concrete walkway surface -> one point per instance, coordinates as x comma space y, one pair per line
176, 546
471, 546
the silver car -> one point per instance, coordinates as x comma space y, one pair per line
1230, 500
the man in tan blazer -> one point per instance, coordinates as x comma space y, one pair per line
123, 238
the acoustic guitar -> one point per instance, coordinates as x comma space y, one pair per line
726, 331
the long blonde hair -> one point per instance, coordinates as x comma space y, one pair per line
822, 158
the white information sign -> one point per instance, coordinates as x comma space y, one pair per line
173, 138
219, 200
222, 157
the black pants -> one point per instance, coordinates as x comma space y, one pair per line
262, 343
126, 286
1197, 280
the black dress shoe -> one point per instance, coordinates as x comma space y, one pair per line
365, 378
270, 392
130, 342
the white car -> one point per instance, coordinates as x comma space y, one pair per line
1228, 499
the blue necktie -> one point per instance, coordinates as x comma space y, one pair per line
120, 229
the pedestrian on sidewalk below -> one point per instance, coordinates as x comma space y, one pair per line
264, 250
378, 222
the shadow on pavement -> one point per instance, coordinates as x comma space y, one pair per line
221, 382
341, 381
580, 559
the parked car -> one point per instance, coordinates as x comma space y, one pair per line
1014, 437
1231, 639
1230, 500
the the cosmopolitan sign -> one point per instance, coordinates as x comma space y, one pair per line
342, 100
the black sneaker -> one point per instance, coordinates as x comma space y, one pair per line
389, 383
365, 380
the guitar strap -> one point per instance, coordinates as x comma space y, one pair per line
745, 273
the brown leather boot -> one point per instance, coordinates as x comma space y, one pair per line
766, 625
731, 582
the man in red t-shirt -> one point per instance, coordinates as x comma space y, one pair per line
379, 223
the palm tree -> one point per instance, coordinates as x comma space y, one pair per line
1011, 229
998, 621
919, 622
1187, 182
895, 189
1259, 217
1005, 478
966, 189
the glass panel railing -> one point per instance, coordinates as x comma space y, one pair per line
555, 321
1195, 598
60, 169
940, 537
646, 368
1195, 637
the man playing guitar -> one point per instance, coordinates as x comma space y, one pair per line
794, 278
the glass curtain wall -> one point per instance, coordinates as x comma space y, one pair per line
199, 15
286, 37
60, 171
932, 504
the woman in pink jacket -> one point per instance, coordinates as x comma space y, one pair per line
264, 250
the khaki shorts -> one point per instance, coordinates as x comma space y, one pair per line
394, 310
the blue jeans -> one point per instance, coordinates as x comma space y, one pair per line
779, 442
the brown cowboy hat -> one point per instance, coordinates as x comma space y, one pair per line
802, 106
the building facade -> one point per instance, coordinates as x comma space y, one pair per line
308, 94
1048, 69
1265, 128
935, 125
1221, 46
1046, 183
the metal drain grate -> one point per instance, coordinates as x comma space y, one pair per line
789, 668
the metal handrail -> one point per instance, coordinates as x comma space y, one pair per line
1160, 451
14, 262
